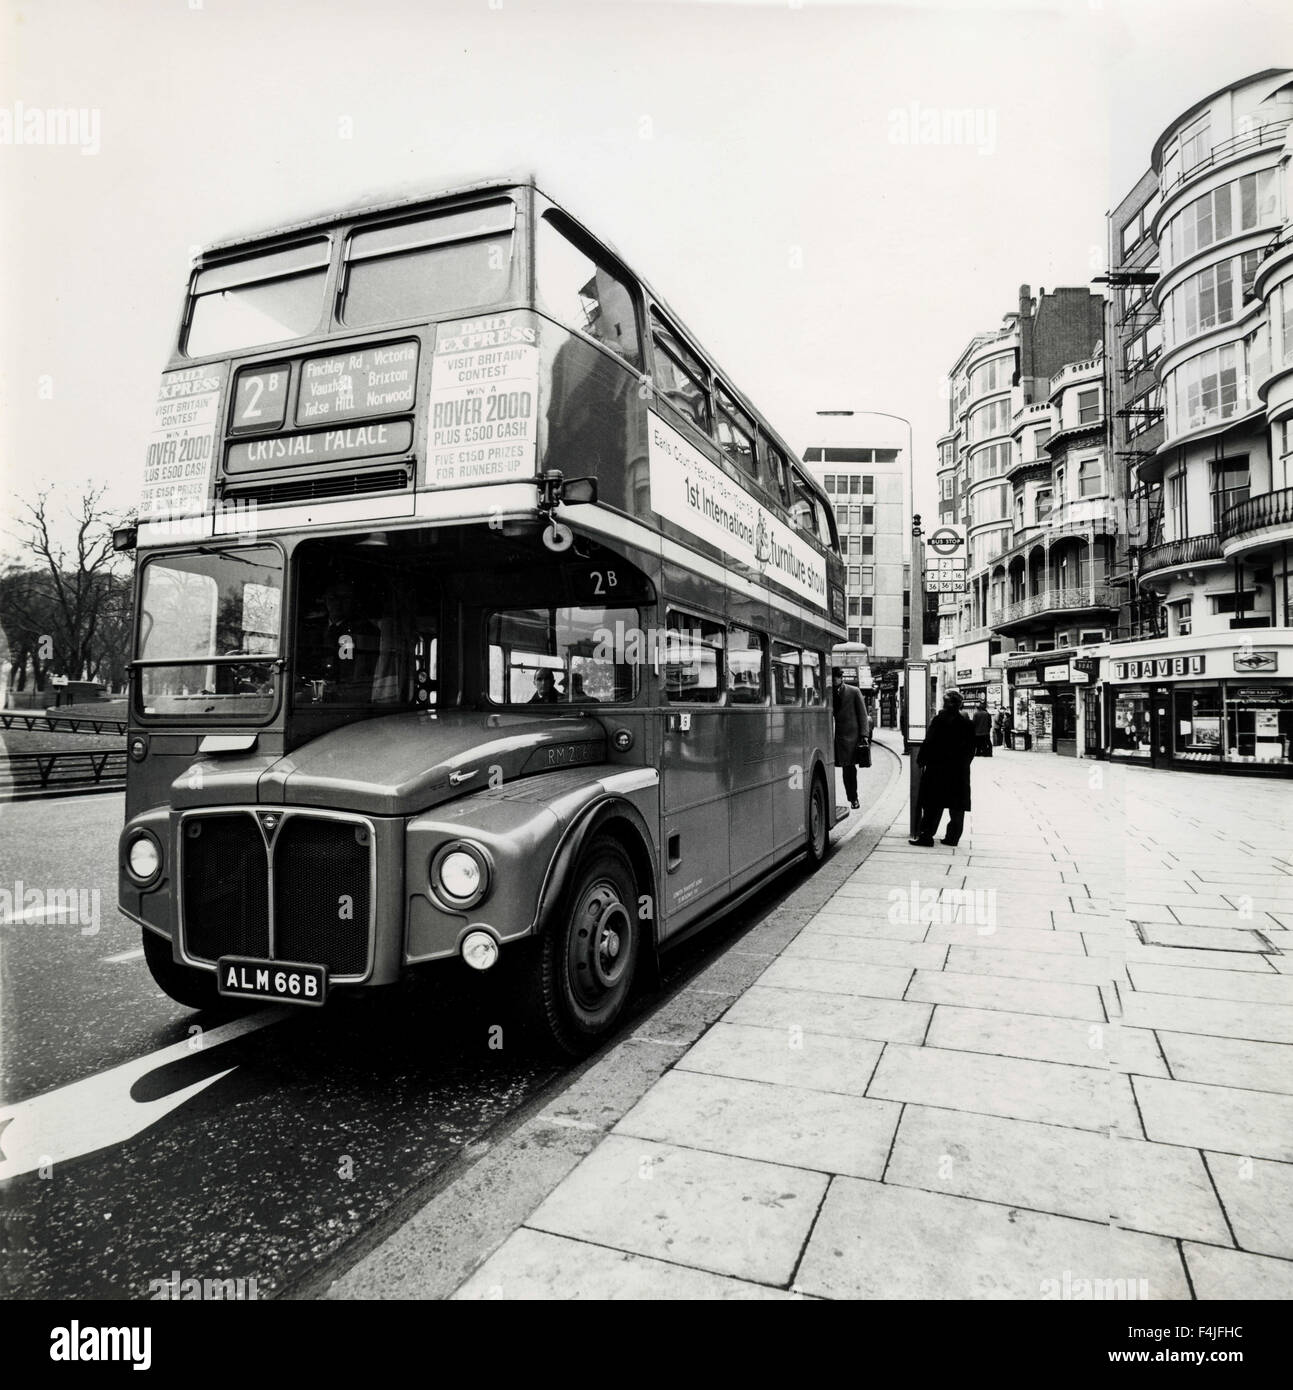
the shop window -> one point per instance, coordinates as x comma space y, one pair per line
1131, 724
1196, 722
1259, 724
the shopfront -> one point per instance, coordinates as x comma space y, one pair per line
1044, 700
1223, 710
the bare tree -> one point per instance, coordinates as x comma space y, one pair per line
77, 589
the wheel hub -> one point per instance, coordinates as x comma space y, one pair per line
599, 959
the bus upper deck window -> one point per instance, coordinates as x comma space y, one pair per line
584, 294
259, 299
451, 262
735, 432
679, 377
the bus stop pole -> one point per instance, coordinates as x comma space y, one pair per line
915, 654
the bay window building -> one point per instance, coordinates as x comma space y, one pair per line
1210, 684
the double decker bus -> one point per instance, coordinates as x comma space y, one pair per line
479, 618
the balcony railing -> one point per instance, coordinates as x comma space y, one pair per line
1270, 509
1070, 599
1170, 555
1271, 134
1072, 369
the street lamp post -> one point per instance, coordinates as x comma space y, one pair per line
916, 671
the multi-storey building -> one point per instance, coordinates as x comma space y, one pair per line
864, 465
1024, 466
1206, 679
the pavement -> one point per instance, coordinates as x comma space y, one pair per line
1055, 1062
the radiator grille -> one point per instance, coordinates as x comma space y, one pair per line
226, 890
327, 485
321, 890
321, 893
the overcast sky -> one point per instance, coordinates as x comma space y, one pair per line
747, 159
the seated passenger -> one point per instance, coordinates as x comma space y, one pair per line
545, 688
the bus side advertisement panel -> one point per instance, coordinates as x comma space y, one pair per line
483, 415
182, 448
692, 492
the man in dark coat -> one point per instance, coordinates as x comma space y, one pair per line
982, 731
851, 731
945, 758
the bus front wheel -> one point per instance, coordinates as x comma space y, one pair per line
589, 955
819, 831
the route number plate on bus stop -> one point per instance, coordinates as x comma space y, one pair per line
276, 981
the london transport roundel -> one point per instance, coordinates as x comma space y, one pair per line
945, 541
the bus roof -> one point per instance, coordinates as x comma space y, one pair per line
410, 195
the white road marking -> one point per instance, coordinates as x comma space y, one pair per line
136, 954
97, 1113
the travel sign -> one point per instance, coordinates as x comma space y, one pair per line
945, 559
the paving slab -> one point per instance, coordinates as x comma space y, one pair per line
536, 1265
1137, 1185
876, 926
1258, 1198
790, 1125
1015, 996
1072, 1041
849, 1016
1223, 1018
1018, 1088
837, 977
1225, 1118
1238, 1062
1234, 1275
709, 1211
1007, 938
785, 1057
1244, 986
1029, 965
822, 945
877, 1241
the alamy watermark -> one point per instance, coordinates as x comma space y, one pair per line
75, 126
914, 124
177, 1287
65, 907
969, 907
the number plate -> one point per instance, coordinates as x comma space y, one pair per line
279, 981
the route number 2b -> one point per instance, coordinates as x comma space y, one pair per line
603, 583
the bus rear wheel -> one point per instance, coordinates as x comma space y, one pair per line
194, 988
589, 955
819, 831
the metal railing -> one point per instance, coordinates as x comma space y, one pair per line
60, 723
1270, 509
1071, 598
24, 775
1237, 144
1171, 554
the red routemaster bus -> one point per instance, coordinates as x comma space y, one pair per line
479, 616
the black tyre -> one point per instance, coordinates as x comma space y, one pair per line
588, 957
184, 984
819, 830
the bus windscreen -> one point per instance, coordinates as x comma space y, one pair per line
261, 299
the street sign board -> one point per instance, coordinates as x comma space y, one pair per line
945, 559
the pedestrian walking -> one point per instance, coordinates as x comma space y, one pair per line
945, 758
852, 732
982, 731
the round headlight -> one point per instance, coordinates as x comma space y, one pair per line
143, 859
460, 874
